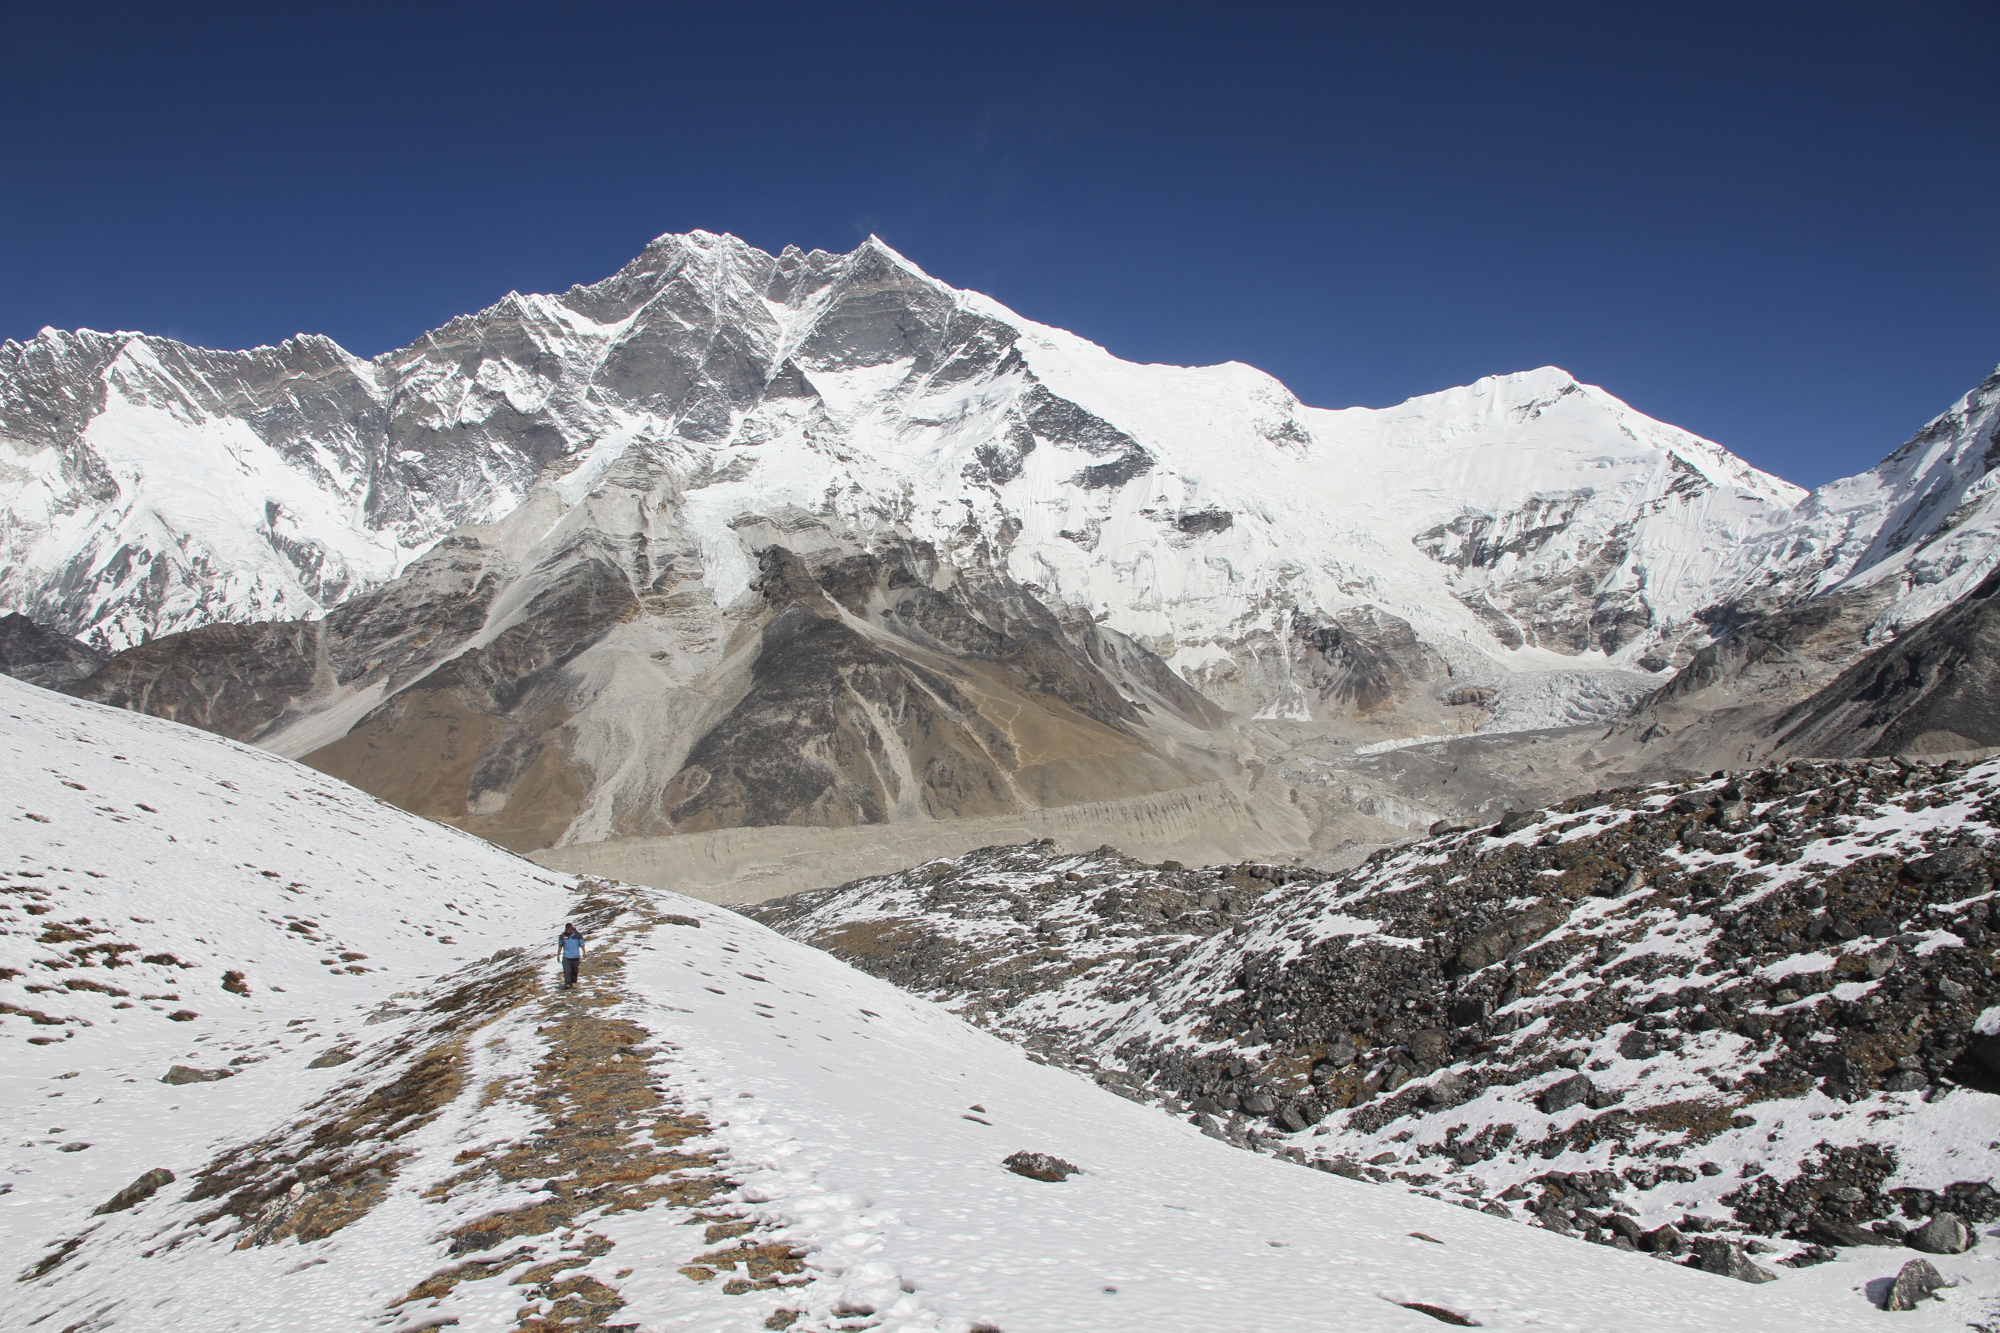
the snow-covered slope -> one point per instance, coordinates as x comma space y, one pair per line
1754, 1007
722, 1129
145, 861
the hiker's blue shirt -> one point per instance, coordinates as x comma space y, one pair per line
572, 945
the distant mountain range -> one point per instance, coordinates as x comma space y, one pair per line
732, 540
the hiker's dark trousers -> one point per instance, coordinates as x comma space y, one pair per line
570, 965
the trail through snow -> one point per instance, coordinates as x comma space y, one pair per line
838, 1143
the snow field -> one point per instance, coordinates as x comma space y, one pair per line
849, 1111
843, 1108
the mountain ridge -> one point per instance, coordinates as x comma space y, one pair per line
560, 541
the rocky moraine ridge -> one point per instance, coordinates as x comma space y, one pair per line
1751, 1016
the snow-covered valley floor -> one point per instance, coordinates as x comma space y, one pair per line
720, 1129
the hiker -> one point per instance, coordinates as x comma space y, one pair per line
569, 948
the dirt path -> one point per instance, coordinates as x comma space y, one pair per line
608, 1135
610, 1142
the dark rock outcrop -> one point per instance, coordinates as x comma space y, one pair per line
1935, 689
41, 656
145, 1187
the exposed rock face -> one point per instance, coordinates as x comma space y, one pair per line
41, 656
1715, 966
564, 676
1934, 690
875, 693
1923, 521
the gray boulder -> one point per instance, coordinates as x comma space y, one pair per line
1918, 1281
1040, 1166
1947, 864
1430, 1046
1516, 820
1718, 1254
1833, 1231
1664, 1239
1341, 1054
1561, 1095
1501, 938
1945, 1233
1448, 1089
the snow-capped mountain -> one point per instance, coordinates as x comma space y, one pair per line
733, 539
1921, 524
1523, 522
218, 1121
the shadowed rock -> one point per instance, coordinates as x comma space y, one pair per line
41, 656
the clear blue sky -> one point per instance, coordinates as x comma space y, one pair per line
1777, 225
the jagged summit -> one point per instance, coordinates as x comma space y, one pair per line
705, 342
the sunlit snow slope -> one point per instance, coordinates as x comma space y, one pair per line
502, 1155
1922, 522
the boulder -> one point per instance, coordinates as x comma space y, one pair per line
1040, 1166
189, 1074
1719, 1254
145, 1187
1444, 826
1565, 1093
1430, 1046
1516, 820
1985, 1048
1341, 1054
1504, 937
1917, 1281
1945, 1233
1637, 1045
1663, 1240
327, 1059
1833, 1231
